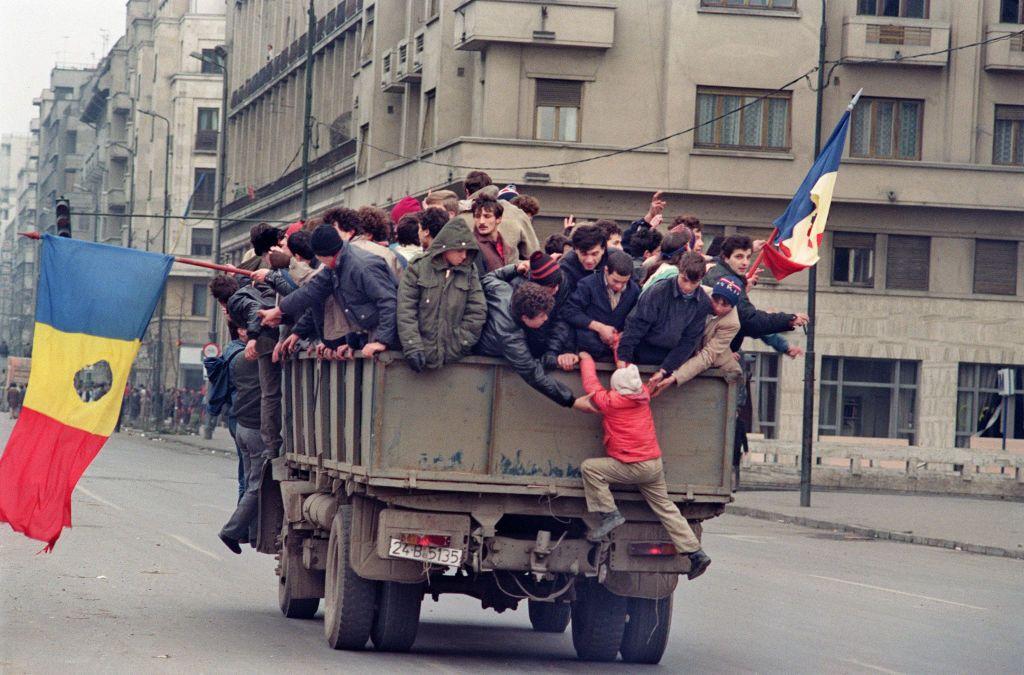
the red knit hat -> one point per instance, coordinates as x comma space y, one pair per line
293, 228
544, 270
404, 206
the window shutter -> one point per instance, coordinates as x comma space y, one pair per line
908, 263
559, 93
853, 240
995, 267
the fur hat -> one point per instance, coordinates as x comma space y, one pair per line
627, 381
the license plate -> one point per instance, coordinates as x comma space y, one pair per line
439, 555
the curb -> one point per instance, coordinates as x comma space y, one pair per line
180, 440
874, 533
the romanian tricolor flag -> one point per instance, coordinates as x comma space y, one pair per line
93, 304
795, 244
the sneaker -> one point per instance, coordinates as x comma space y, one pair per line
231, 544
699, 562
609, 521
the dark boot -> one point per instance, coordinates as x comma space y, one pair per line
609, 521
231, 543
699, 562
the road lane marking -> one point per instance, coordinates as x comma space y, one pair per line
185, 542
96, 497
878, 669
897, 592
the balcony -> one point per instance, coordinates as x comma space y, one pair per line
1005, 55
552, 24
870, 38
206, 140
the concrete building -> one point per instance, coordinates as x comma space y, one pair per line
14, 150
589, 106
185, 94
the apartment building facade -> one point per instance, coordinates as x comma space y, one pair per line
591, 105
183, 93
14, 152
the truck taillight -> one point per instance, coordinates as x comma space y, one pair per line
651, 548
413, 539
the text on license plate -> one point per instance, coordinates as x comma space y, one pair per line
451, 557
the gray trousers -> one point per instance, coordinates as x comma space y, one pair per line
242, 524
270, 403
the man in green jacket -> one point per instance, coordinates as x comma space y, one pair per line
441, 304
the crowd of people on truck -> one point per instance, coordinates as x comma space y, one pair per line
443, 278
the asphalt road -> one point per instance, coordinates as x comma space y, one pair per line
142, 584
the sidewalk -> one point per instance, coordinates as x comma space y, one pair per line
985, 526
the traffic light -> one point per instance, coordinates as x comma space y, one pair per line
63, 218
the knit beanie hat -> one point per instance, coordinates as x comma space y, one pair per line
544, 270
728, 289
293, 228
627, 381
508, 193
325, 241
404, 206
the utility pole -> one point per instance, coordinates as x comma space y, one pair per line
307, 122
807, 441
159, 365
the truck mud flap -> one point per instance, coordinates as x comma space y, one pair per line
363, 549
650, 585
270, 513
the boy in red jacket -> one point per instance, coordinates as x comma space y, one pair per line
634, 458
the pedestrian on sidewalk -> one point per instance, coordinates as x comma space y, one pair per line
634, 458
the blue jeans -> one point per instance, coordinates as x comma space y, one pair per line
242, 524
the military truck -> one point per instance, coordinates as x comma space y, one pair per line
394, 486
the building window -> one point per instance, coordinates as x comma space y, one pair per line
995, 267
202, 241
914, 9
212, 62
203, 190
853, 259
1011, 11
884, 128
362, 160
200, 293
367, 40
908, 263
427, 135
762, 373
979, 405
558, 110
1008, 146
751, 4
871, 398
757, 123
206, 129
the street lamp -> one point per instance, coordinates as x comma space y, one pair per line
158, 366
222, 144
131, 186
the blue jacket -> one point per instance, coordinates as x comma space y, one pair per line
221, 390
362, 284
589, 302
666, 320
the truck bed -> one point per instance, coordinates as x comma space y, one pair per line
475, 426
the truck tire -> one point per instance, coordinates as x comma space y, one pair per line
549, 617
348, 598
598, 622
397, 617
293, 608
647, 628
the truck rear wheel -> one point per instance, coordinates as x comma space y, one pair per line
349, 599
292, 607
397, 617
598, 622
647, 628
549, 617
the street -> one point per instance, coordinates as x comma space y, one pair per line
142, 584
